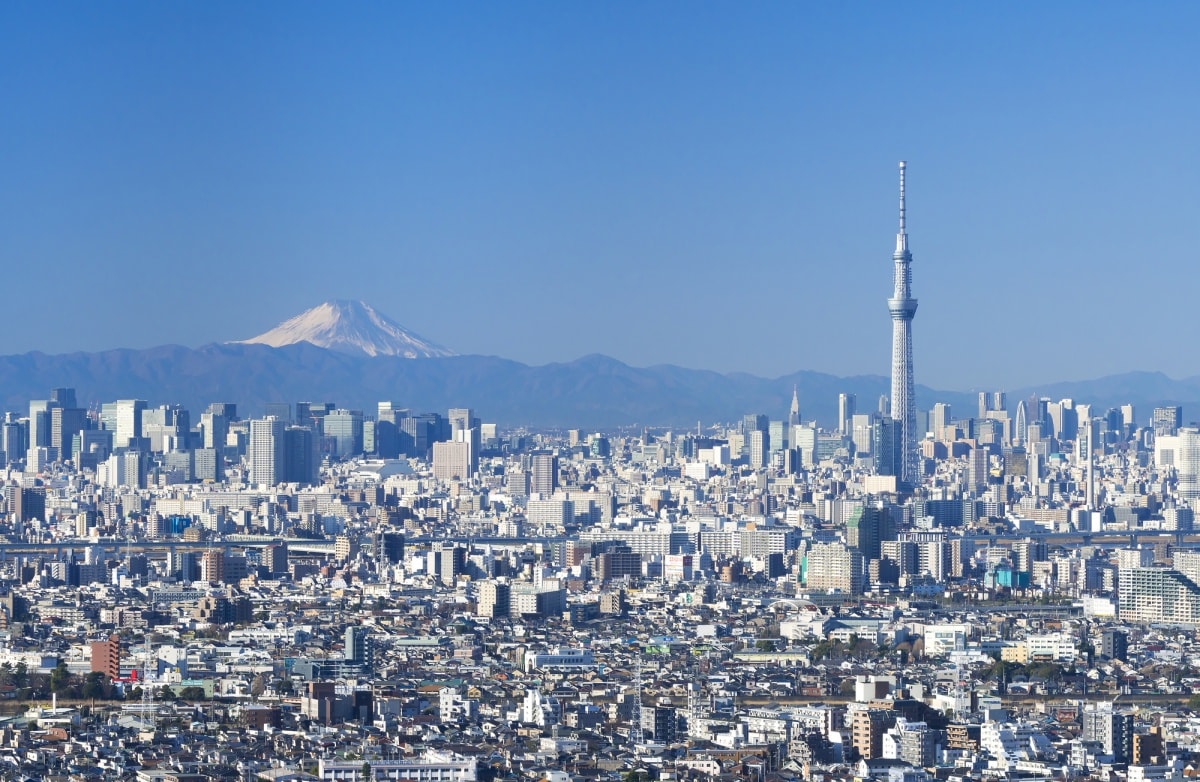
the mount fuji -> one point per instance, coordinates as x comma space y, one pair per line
353, 327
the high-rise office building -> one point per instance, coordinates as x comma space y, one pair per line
794, 410
778, 436
226, 409
214, 427
992, 401
903, 307
862, 433
804, 442
461, 418
1167, 420
416, 433
208, 465
1128, 419
65, 424
387, 410
846, 408
301, 461
65, 397
452, 461
755, 422
940, 422
127, 468
13, 432
1181, 451
128, 423
313, 414
464, 427
166, 427
39, 422
346, 429
280, 410
887, 448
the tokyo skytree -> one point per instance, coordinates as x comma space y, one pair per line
902, 307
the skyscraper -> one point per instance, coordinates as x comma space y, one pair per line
865, 530
902, 308
346, 429
301, 460
846, 405
1166, 420
128, 423
267, 452
543, 474
886, 446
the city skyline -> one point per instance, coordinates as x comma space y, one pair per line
545, 183
347, 351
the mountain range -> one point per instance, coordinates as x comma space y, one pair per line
342, 355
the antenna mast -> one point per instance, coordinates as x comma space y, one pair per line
148, 709
635, 713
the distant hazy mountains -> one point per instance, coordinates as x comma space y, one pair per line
345, 352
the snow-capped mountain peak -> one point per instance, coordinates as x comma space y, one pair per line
350, 327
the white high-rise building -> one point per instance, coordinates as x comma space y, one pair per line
903, 307
1181, 451
266, 452
940, 423
452, 461
129, 422
122, 469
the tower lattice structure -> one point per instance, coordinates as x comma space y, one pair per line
903, 307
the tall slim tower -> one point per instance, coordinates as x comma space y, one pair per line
902, 307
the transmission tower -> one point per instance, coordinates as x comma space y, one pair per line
148, 710
635, 713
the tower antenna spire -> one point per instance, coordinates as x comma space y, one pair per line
902, 307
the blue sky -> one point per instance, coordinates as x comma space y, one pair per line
705, 184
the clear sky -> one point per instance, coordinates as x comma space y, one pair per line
709, 184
